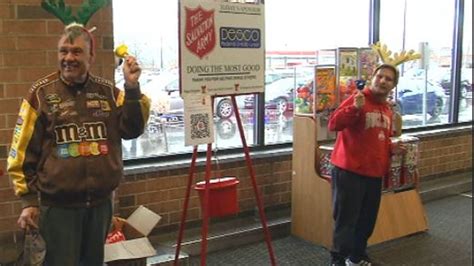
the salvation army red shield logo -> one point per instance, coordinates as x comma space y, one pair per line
200, 33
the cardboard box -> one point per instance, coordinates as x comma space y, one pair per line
136, 246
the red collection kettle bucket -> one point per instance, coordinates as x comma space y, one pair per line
222, 196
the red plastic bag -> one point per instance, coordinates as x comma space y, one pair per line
116, 234
114, 237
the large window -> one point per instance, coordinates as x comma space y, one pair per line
294, 34
465, 102
425, 91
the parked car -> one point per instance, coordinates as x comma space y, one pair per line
410, 97
164, 97
466, 83
279, 95
166, 100
442, 76
271, 77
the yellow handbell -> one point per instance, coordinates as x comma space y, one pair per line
121, 51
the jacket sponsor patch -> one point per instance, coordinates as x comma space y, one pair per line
16, 135
52, 98
100, 113
67, 104
13, 153
105, 106
93, 104
86, 148
54, 108
68, 113
74, 133
95, 95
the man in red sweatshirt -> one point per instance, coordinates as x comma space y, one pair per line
361, 158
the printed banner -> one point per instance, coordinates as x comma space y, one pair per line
221, 47
326, 93
347, 61
368, 60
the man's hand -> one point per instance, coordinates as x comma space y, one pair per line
359, 99
131, 72
28, 217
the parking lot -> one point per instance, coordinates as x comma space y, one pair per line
165, 132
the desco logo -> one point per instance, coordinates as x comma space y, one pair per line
240, 37
240, 34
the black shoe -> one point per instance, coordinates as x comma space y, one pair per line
338, 262
366, 260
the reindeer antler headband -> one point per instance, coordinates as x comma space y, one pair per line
64, 13
397, 59
85, 12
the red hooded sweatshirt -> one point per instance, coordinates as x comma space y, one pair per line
363, 141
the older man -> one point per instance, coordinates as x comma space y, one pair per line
66, 157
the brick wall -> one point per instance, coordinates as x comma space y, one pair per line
28, 37
445, 152
164, 191
441, 153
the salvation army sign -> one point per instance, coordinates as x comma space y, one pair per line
221, 47
200, 31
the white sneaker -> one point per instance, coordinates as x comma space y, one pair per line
360, 263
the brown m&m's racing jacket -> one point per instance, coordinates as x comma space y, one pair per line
66, 145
